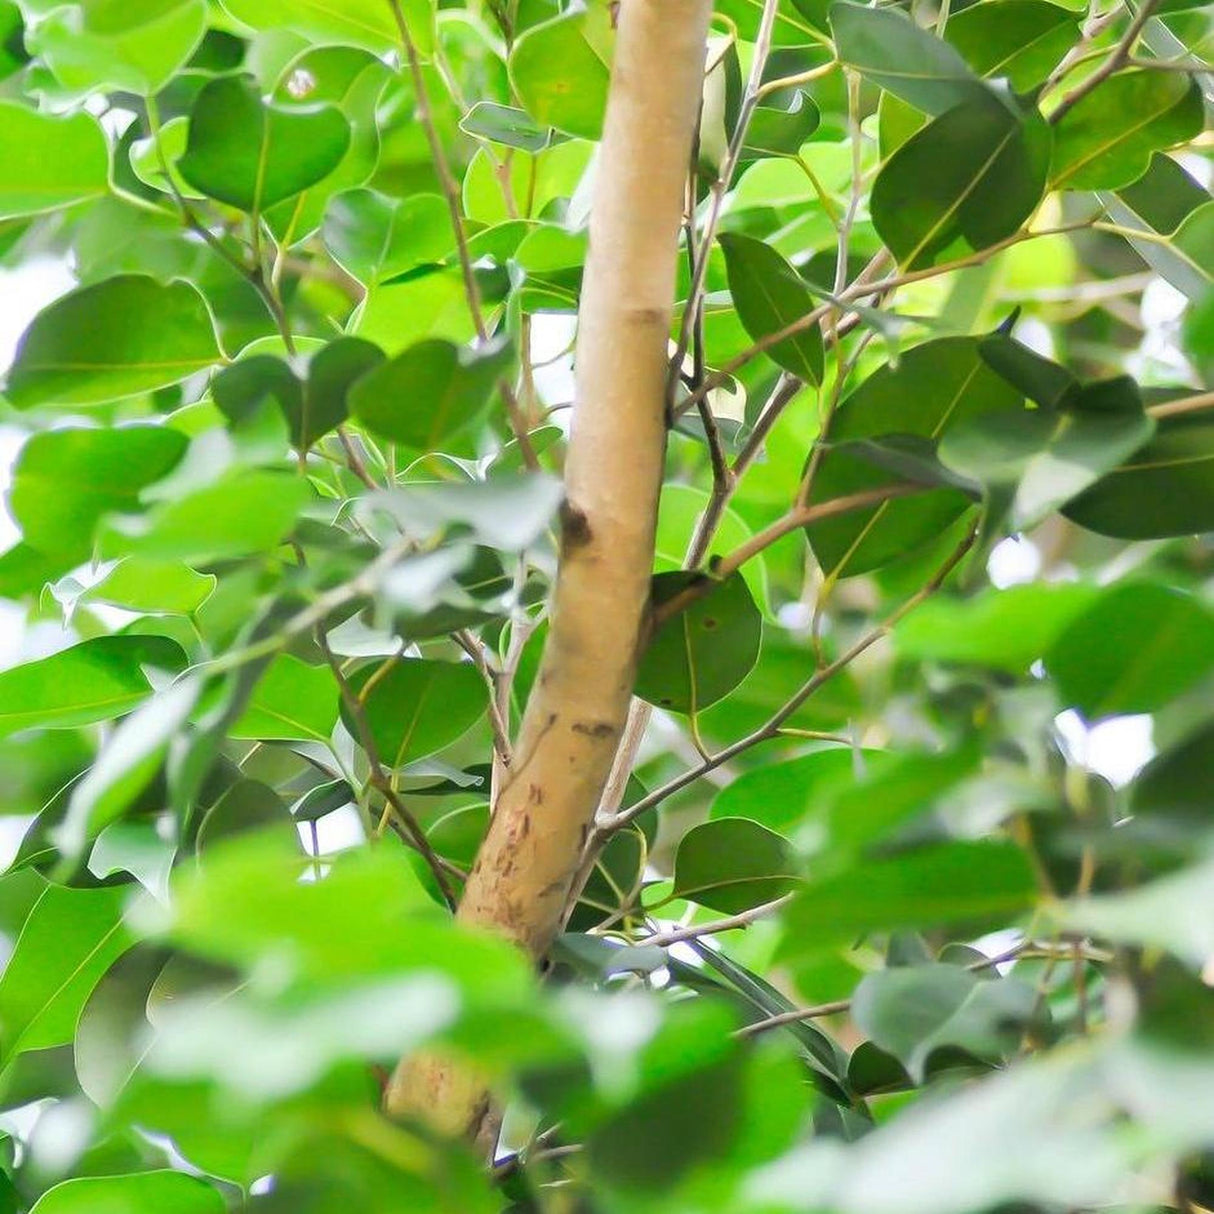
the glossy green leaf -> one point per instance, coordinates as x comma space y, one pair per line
65, 480
933, 386
418, 706
975, 173
126, 335
95, 47
252, 154
430, 392
783, 795
948, 883
505, 125
733, 864
780, 131
769, 296
292, 701
374, 237
893, 52
49, 162
153, 587
1106, 140
68, 942
136, 1193
364, 23
703, 651
95, 680
560, 70
1135, 649
1166, 488
1022, 40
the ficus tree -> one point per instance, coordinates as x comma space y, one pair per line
606, 607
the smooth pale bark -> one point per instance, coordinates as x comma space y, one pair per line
578, 707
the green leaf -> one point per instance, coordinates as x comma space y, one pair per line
313, 408
121, 337
138, 1193
1138, 647
125, 765
933, 386
1022, 40
418, 706
1005, 629
560, 70
96, 680
975, 173
65, 480
93, 47
49, 162
430, 392
154, 587
947, 883
1106, 140
246, 905
733, 864
365, 23
705, 650
505, 125
374, 237
1166, 488
353, 80
1045, 457
70, 939
911, 1012
244, 512
291, 702
909, 62
252, 154
769, 295
783, 795
248, 807
1177, 782
777, 131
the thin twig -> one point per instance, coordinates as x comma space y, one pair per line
771, 727
1117, 60
695, 930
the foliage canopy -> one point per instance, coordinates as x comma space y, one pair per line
872, 928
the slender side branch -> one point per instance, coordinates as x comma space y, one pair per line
771, 728
1115, 61
576, 713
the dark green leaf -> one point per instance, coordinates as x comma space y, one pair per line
250, 153
1022, 40
975, 173
705, 650
909, 62
291, 702
418, 706
430, 392
733, 864
1165, 488
1106, 140
769, 296
1134, 650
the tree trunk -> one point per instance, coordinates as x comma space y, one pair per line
578, 706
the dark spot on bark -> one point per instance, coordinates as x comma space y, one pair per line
575, 528
644, 317
535, 794
594, 729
